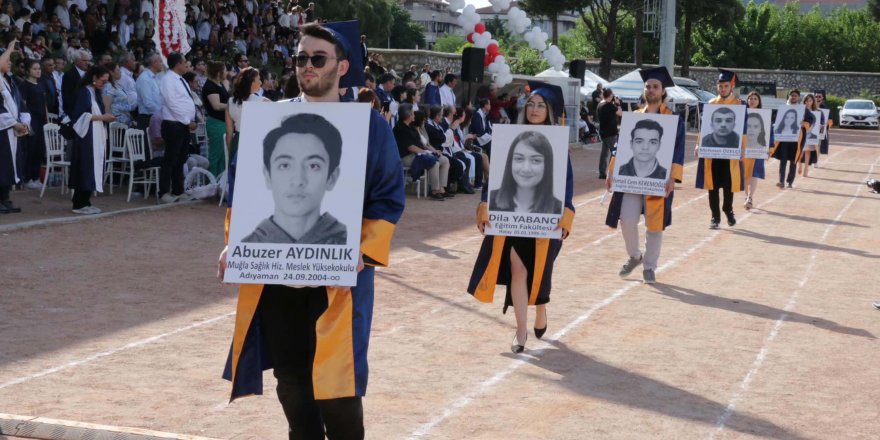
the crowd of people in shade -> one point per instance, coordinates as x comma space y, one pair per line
64, 55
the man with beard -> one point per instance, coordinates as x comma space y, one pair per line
628, 208
722, 174
316, 338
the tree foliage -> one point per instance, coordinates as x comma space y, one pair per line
379, 19
603, 18
450, 44
524, 60
773, 37
550, 9
711, 14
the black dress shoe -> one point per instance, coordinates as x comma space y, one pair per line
515, 347
539, 332
448, 195
731, 220
713, 224
10, 207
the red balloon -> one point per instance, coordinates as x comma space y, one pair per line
470, 38
480, 28
492, 49
488, 60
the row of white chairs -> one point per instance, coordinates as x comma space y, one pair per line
122, 159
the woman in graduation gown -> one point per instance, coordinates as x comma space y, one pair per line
753, 169
808, 158
790, 151
13, 123
89, 142
523, 265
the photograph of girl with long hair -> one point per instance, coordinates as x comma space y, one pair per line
527, 185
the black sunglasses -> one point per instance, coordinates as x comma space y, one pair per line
317, 60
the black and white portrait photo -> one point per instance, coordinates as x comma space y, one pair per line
758, 129
643, 158
721, 131
527, 179
299, 181
787, 125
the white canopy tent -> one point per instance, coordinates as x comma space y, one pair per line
629, 88
590, 80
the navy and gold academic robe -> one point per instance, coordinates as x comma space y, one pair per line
84, 167
343, 330
493, 263
754, 167
823, 146
704, 166
792, 150
814, 158
8, 140
658, 209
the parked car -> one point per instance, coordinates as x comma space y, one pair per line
859, 113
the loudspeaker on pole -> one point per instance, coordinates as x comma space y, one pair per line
576, 69
472, 59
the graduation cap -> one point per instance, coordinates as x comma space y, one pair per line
551, 93
819, 92
725, 75
660, 74
348, 34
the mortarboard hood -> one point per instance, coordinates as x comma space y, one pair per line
551, 93
660, 74
348, 33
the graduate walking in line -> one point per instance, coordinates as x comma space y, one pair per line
722, 175
627, 209
753, 169
524, 265
788, 152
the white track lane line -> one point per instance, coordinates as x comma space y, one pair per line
103, 354
792, 301
483, 387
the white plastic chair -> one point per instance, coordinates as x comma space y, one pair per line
202, 138
52, 118
117, 157
418, 182
55, 162
135, 146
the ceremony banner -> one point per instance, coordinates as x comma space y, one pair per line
299, 189
787, 125
527, 180
645, 147
721, 131
758, 129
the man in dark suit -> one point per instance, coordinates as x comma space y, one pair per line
47, 84
481, 127
69, 82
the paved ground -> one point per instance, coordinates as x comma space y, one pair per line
764, 330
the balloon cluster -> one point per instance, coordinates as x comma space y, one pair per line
518, 23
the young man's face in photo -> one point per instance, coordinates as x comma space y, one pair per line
645, 144
298, 175
722, 123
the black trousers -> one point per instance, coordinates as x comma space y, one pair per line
792, 170
176, 138
35, 152
722, 181
456, 170
81, 199
4, 193
288, 318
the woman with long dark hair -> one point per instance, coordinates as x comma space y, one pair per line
246, 84
90, 140
807, 158
525, 265
753, 169
35, 98
215, 96
791, 151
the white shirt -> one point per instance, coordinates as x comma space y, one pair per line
63, 16
234, 109
230, 19
284, 20
127, 84
146, 6
447, 96
177, 103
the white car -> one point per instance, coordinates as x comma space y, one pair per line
859, 113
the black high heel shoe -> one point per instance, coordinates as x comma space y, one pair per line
539, 332
517, 348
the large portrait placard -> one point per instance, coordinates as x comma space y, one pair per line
813, 137
299, 185
645, 147
721, 131
527, 179
758, 129
826, 113
787, 125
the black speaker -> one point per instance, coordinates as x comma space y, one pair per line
472, 63
576, 69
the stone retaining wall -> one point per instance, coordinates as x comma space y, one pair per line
845, 84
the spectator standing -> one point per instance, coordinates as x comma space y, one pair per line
12, 112
148, 94
116, 101
47, 83
35, 97
432, 89
481, 127
215, 96
58, 77
63, 14
71, 79
90, 140
447, 91
246, 85
200, 68
595, 99
608, 112
364, 51
310, 13
178, 120
126, 68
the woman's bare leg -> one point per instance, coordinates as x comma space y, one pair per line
807, 163
519, 293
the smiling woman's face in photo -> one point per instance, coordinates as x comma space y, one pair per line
527, 166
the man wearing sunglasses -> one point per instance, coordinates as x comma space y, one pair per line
287, 325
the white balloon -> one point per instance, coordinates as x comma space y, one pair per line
455, 5
500, 59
